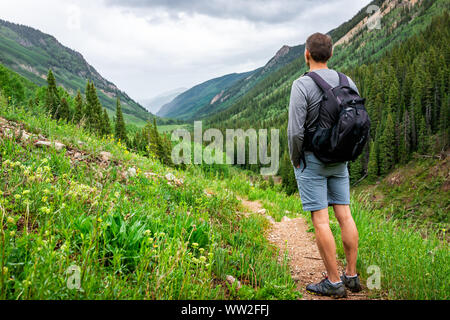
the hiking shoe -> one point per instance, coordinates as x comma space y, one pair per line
352, 283
326, 288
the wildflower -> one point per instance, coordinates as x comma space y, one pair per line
45, 210
46, 191
12, 233
10, 220
195, 244
100, 220
116, 194
155, 246
147, 232
195, 260
25, 192
17, 196
5, 270
203, 259
44, 199
201, 250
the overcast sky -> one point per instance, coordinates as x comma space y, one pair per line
147, 47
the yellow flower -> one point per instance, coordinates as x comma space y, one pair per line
5, 270
17, 196
202, 258
10, 220
25, 192
12, 233
195, 244
44, 199
147, 232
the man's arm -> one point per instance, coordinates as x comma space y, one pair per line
296, 123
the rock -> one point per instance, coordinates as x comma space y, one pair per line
105, 156
170, 177
131, 172
25, 136
179, 182
262, 211
77, 155
231, 280
285, 219
271, 220
207, 193
41, 144
59, 146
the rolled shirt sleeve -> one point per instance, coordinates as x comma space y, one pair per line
296, 123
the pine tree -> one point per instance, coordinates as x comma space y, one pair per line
53, 100
64, 110
423, 146
106, 123
79, 108
372, 167
356, 168
387, 155
287, 174
120, 129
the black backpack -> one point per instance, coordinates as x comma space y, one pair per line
342, 128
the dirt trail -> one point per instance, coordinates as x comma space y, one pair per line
304, 258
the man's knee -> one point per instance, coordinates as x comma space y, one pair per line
320, 218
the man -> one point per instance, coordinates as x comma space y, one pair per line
322, 185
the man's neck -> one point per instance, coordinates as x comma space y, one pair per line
317, 66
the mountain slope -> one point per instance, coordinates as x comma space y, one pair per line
154, 104
31, 53
187, 104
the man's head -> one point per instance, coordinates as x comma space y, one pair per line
319, 48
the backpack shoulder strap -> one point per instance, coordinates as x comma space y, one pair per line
319, 81
343, 80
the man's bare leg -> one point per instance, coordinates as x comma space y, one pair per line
325, 242
349, 235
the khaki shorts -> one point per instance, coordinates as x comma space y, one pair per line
321, 185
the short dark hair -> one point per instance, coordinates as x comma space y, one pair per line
320, 47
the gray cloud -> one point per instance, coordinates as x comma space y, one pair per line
265, 11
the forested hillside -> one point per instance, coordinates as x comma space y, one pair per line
402, 70
32, 53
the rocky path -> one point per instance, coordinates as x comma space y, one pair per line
304, 258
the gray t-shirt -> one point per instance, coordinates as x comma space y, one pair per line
304, 108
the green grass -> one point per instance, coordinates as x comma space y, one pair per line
129, 239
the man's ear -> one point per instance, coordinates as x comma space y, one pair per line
307, 55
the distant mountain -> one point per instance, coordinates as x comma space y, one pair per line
31, 53
217, 94
187, 104
154, 104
